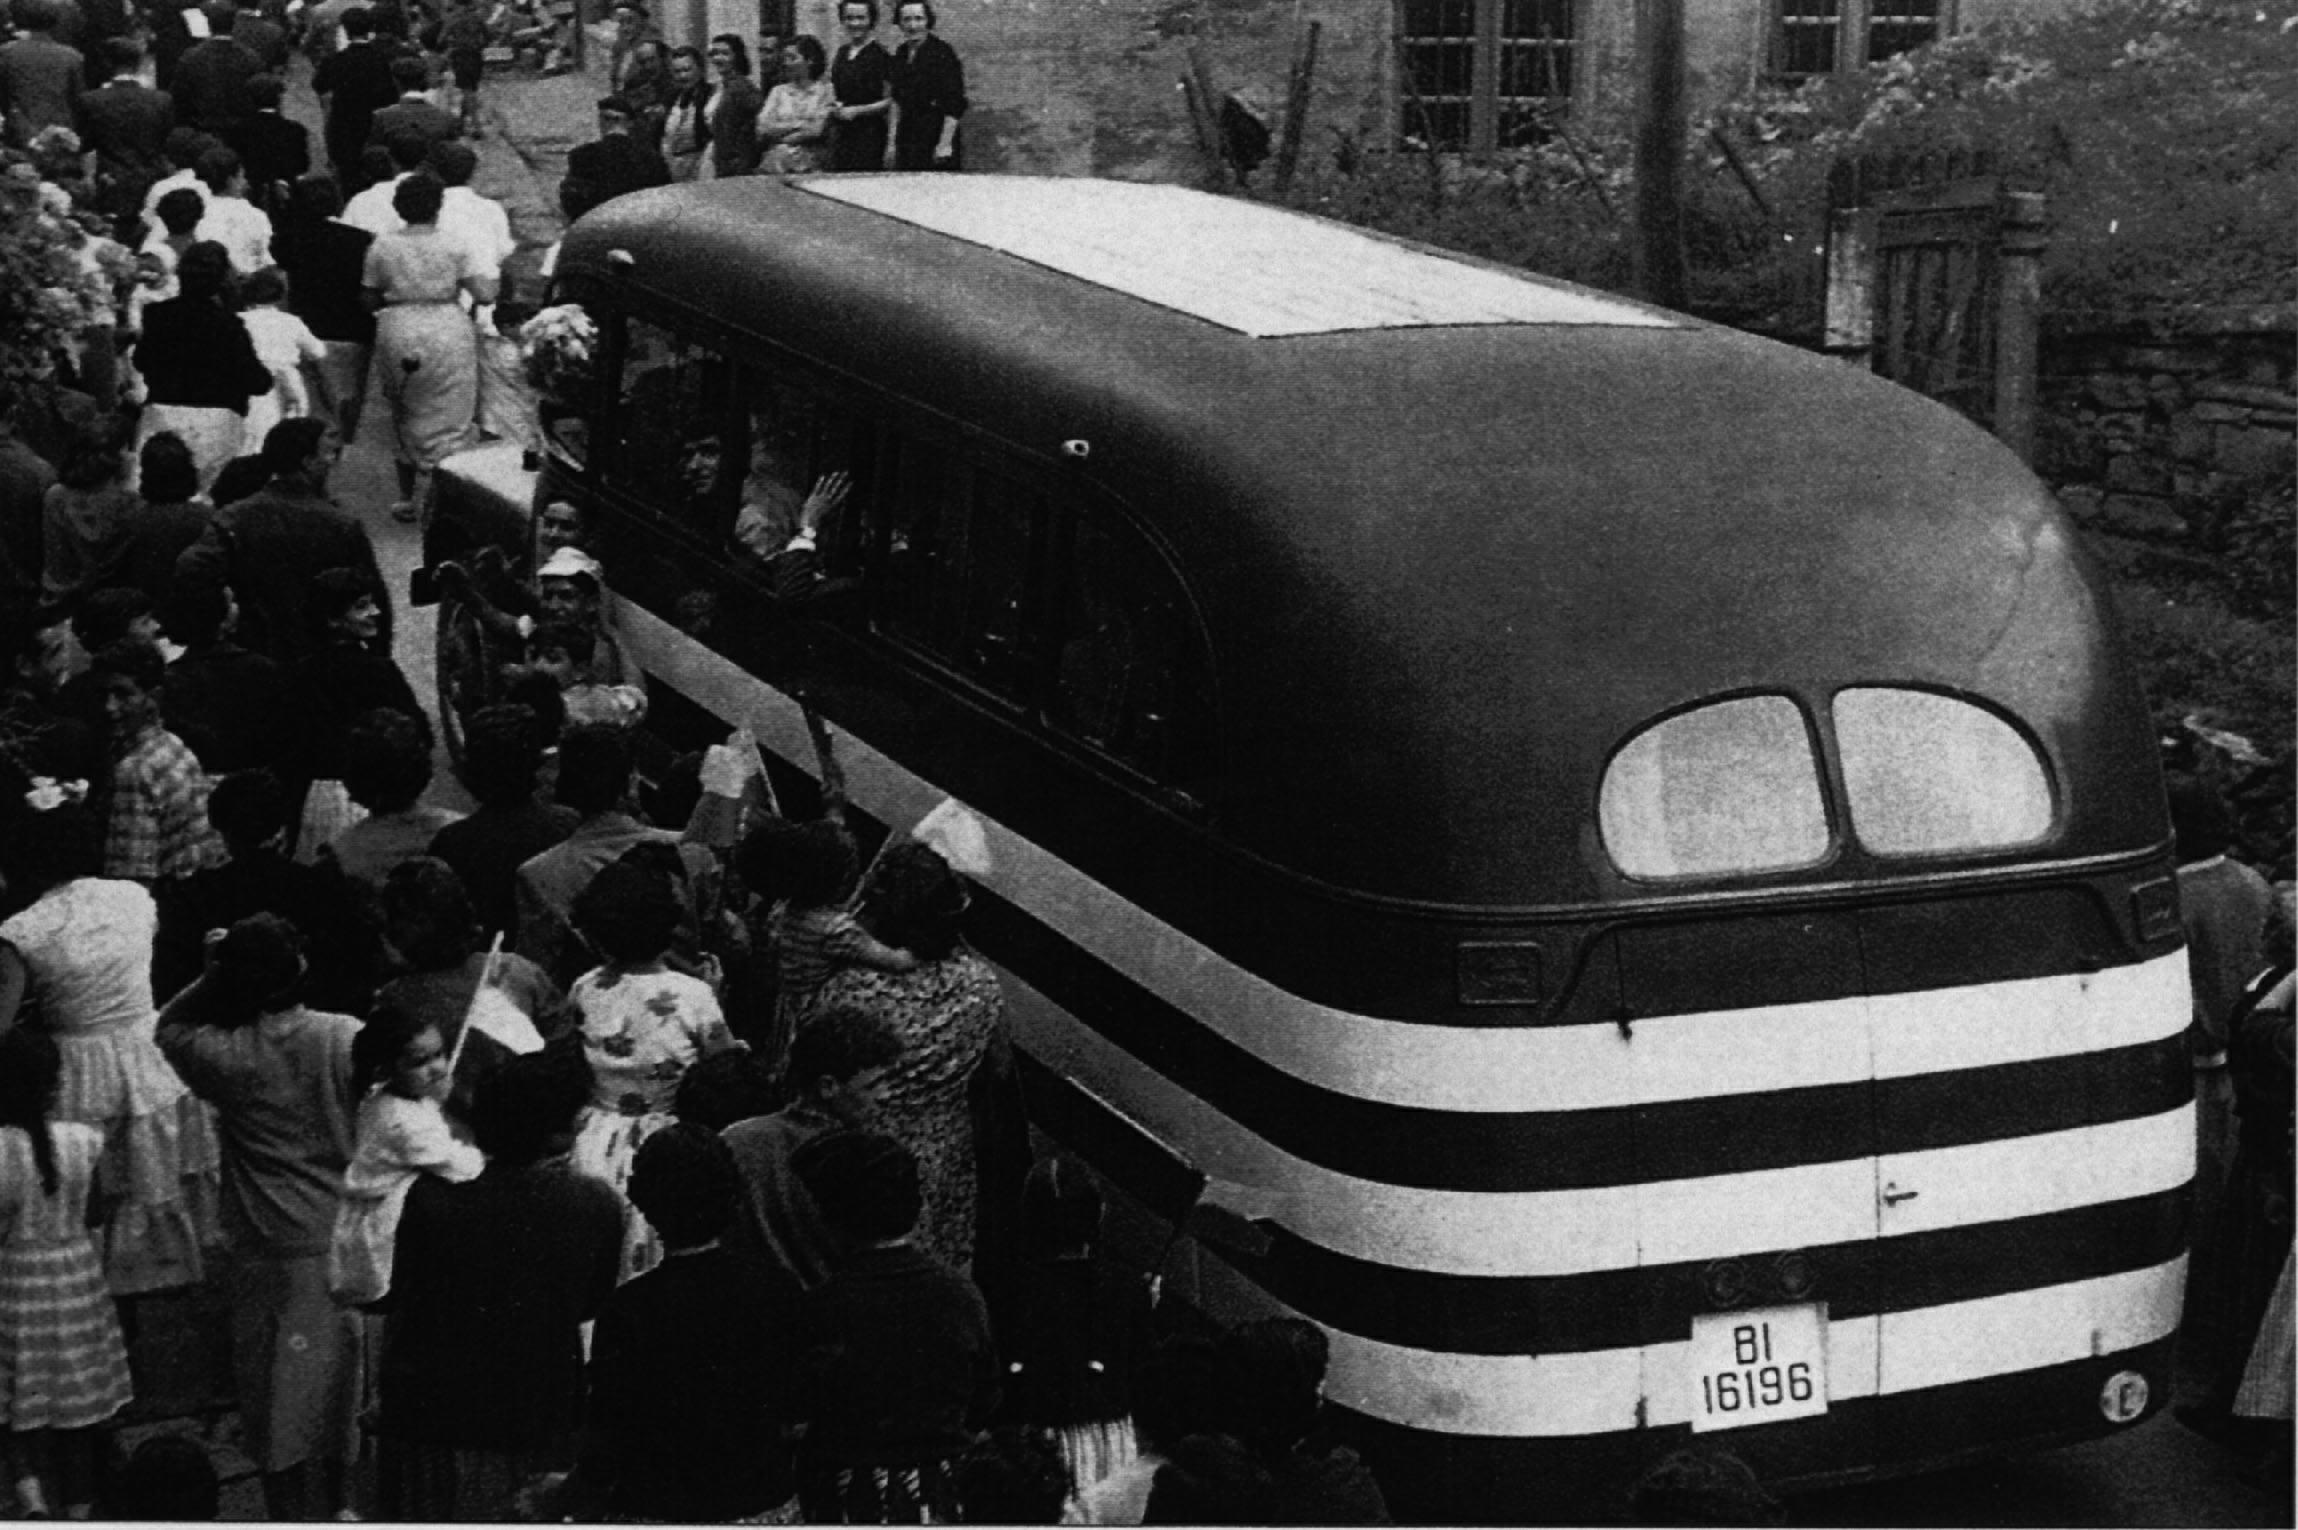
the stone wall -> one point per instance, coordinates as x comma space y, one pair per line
2159, 435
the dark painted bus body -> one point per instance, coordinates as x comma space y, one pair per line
1623, 859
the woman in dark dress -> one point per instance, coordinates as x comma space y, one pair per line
929, 92
198, 365
859, 75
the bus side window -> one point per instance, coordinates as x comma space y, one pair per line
670, 399
1129, 668
957, 562
794, 439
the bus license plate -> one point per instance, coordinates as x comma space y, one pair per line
1758, 1367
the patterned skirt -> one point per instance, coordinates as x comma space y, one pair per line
161, 1159
605, 1146
62, 1362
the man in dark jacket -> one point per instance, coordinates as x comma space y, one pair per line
620, 161
269, 546
41, 79
412, 116
210, 80
356, 81
274, 148
263, 37
125, 124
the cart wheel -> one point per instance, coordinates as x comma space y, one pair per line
467, 672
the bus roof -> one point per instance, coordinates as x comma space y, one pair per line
1447, 567
1234, 263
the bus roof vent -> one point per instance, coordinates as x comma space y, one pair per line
1259, 270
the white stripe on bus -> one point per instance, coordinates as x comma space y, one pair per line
1490, 1069
1617, 1227
1597, 1392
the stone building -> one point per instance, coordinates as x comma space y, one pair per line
1077, 87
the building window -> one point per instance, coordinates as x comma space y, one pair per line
1823, 36
1483, 74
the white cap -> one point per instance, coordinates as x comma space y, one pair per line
572, 563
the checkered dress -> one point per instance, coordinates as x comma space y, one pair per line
62, 1362
157, 826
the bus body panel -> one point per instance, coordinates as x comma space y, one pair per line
1481, 544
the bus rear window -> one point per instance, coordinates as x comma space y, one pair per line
1728, 788
1928, 774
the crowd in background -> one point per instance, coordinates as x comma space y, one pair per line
691, 112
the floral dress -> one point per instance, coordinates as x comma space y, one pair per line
62, 1362
948, 1014
641, 1031
88, 946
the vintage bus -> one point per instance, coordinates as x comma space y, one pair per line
1616, 866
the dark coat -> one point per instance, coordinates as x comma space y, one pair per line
492, 1283
413, 119
126, 125
210, 86
692, 1382
275, 150
264, 38
196, 353
613, 166
325, 263
929, 88
268, 548
857, 77
41, 82
356, 80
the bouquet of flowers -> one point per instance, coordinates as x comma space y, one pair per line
559, 346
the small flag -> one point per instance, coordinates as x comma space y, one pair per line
955, 834
492, 1014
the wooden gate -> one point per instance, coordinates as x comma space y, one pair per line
1932, 281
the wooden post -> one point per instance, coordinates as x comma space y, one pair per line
2016, 319
1851, 258
1205, 112
1739, 168
1660, 271
1297, 108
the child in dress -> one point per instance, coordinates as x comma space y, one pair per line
400, 1066
810, 869
285, 345
63, 1365
643, 1025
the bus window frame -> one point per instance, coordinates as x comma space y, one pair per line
1827, 781
862, 532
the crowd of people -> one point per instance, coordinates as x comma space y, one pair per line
687, 1191
694, 112
246, 279
619, 1149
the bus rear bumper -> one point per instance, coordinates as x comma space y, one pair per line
1437, 1478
